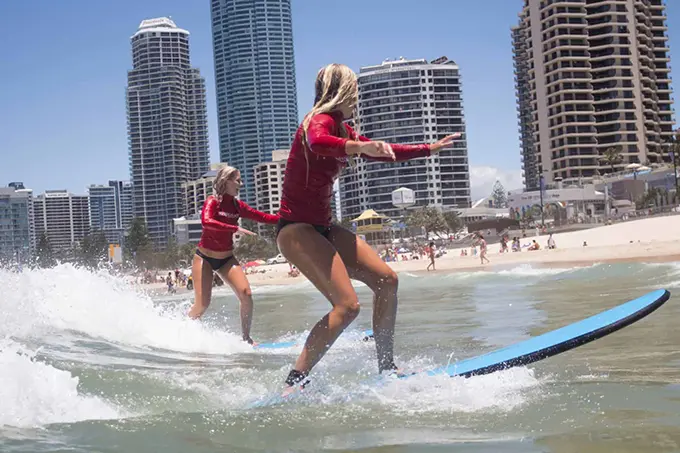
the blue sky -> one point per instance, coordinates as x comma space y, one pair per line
62, 102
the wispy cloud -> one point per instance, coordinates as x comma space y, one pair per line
482, 179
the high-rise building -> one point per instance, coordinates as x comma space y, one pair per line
255, 82
269, 183
17, 235
409, 101
111, 209
63, 217
591, 75
167, 124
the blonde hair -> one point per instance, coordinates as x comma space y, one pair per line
336, 85
224, 174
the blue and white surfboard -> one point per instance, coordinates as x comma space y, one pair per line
557, 341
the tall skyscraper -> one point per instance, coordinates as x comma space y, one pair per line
409, 101
63, 216
590, 76
111, 209
167, 124
17, 234
255, 82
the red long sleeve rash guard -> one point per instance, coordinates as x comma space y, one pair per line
220, 221
308, 182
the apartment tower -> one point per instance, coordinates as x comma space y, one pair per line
591, 75
255, 82
409, 101
63, 217
111, 209
167, 124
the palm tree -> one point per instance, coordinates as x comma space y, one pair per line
612, 156
673, 147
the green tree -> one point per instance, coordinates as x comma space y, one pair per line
429, 218
612, 156
269, 232
44, 254
93, 250
186, 253
499, 195
138, 246
171, 256
453, 221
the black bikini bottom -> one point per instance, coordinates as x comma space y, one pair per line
321, 229
215, 263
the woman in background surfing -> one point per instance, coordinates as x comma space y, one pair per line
327, 254
215, 252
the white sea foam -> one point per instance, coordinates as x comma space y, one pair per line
33, 393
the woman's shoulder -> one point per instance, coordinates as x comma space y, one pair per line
326, 117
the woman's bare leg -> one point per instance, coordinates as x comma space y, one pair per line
364, 264
236, 278
202, 274
318, 260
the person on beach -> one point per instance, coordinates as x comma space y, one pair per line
215, 251
482, 248
551, 242
430, 252
329, 255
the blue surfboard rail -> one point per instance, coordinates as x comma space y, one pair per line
367, 334
557, 341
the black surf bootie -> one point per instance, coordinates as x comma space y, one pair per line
296, 377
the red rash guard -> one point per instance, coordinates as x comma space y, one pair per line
308, 182
220, 221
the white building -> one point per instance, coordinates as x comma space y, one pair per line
268, 177
63, 217
188, 230
409, 101
584, 202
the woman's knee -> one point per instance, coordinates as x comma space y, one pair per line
388, 281
245, 293
350, 311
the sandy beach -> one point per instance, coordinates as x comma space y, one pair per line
650, 240
647, 240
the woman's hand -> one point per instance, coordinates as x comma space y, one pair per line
244, 231
444, 142
375, 149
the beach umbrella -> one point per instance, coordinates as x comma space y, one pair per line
251, 264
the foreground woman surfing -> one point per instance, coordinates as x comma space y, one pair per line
327, 254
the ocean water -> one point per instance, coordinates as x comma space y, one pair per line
87, 364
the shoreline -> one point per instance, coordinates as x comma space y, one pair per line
652, 240
550, 259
